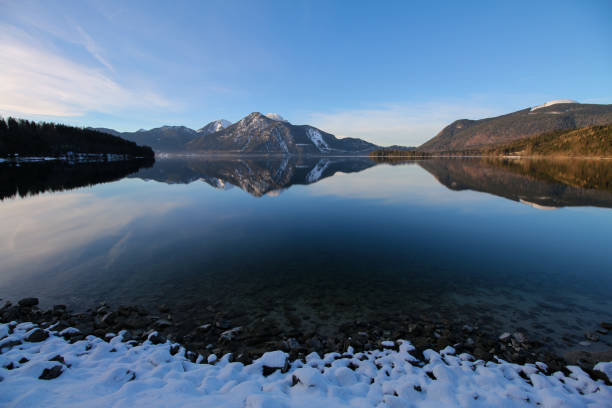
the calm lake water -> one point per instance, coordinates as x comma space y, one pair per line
500, 244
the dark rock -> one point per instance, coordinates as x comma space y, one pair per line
28, 302
59, 308
223, 324
10, 343
59, 359
23, 360
37, 335
164, 308
606, 325
266, 371
162, 323
156, 338
51, 373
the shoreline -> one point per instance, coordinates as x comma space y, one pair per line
39, 368
219, 336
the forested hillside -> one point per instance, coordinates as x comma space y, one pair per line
28, 138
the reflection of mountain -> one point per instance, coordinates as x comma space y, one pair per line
30, 178
543, 184
257, 176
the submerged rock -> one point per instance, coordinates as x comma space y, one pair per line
28, 302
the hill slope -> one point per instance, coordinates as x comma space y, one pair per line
257, 133
468, 134
168, 138
27, 138
593, 141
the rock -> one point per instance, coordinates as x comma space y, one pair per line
37, 335
223, 324
606, 325
291, 344
204, 327
591, 336
28, 302
162, 323
59, 308
467, 328
108, 318
164, 308
51, 373
9, 343
602, 331
585, 343
505, 336
230, 334
520, 337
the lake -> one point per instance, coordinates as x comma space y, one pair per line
317, 243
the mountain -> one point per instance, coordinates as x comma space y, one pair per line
258, 133
165, 138
214, 126
592, 141
465, 134
168, 138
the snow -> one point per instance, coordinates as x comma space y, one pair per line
316, 173
317, 139
214, 126
275, 359
275, 116
96, 373
555, 102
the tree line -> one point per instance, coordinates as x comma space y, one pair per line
28, 138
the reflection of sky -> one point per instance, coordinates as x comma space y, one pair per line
129, 233
45, 230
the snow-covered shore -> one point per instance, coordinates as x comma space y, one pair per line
97, 373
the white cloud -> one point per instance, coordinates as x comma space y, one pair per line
402, 124
36, 80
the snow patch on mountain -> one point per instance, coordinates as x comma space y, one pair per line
275, 116
555, 102
214, 126
317, 139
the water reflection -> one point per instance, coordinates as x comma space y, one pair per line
541, 183
31, 178
257, 176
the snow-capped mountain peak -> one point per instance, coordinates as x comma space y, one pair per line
275, 116
555, 102
214, 126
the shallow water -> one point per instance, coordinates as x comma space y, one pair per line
315, 243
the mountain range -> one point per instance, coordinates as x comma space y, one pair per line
256, 133
466, 134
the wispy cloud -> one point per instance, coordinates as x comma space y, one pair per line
36, 79
403, 124
92, 47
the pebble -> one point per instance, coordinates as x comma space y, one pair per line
504, 336
585, 343
520, 337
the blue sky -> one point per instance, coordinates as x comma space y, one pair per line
390, 72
